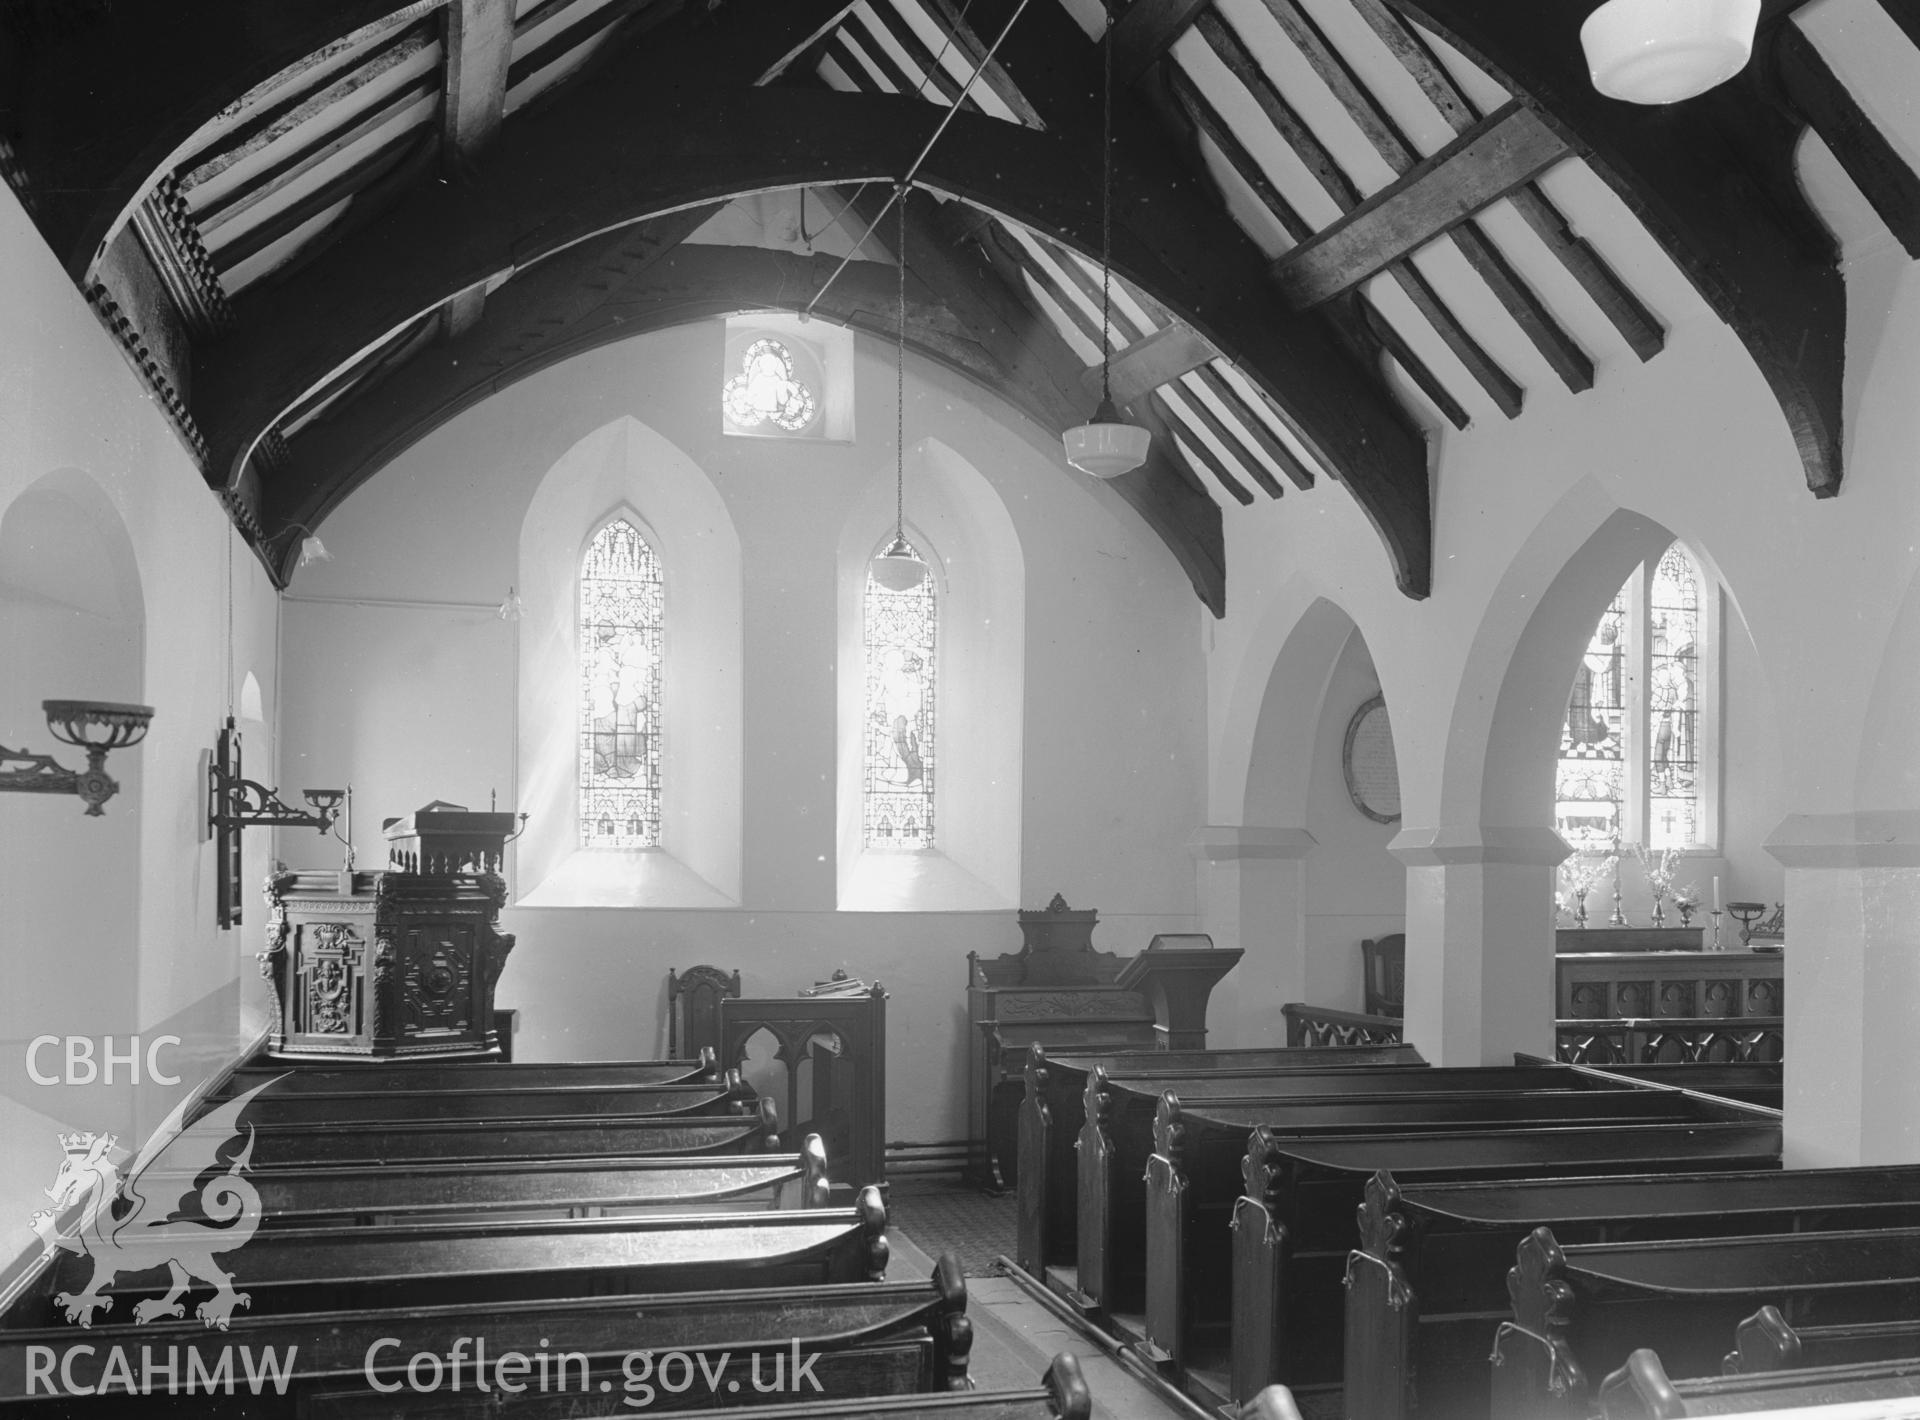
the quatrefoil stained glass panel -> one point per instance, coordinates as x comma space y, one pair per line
620, 653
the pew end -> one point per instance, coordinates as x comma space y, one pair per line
813, 1189
1763, 1342
1067, 1388
1274, 1402
1536, 1375
1641, 1390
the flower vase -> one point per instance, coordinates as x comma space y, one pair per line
1659, 913
1580, 910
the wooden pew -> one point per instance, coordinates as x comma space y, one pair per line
871, 1339
1765, 1342
1642, 1390
1052, 1115
1061, 1395
1751, 1082
413, 1263
510, 1101
470, 1074
566, 1187
1292, 1229
1579, 1311
1118, 1146
278, 1146
1426, 1289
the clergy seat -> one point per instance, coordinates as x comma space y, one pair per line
693, 1008
1384, 975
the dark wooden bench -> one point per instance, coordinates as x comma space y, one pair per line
1580, 1310
1052, 1113
347, 1106
1426, 1288
870, 1339
1118, 1147
1765, 1342
1642, 1390
427, 1264
1751, 1082
472, 1074
1061, 1395
278, 1146
1293, 1227
563, 1187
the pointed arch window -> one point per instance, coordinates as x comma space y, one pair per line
621, 607
1638, 751
899, 632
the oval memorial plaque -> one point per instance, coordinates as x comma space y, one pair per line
1373, 775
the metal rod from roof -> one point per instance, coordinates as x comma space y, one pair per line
914, 167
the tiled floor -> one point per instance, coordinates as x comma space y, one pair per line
941, 1215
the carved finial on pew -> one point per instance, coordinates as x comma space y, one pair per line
1381, 1222
1068, 1389
873, 1222
770, 1122
1169, 1132
709, 1063
1258, 1171
953, 1329
1534, 1367
1035, 1070
1763, 1342
815, 1187
1382, 1226
1641, 1387
1274, 1402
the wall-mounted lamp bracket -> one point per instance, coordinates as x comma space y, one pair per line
235, 802
93, 725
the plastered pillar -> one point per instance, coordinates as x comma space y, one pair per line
1480, 941
1251, 891
1853, 987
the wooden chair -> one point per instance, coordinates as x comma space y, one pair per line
693, 1008
1384, 975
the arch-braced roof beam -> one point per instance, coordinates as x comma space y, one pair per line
669, 127
1712, 179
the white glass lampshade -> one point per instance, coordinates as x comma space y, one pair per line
899, 568
1106, 447
1662, 51
313, 550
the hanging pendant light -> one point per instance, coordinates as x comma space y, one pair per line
1107, 446
1663, 51
900, 568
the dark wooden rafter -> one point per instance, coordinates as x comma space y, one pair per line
1145, 31
1500, 387
92, 148
993, 73
1088, 326
946, 252
1559, 349
1883, 176
1153, 360
479, 42
934, 77
1365, 331
1712, 181
1429, 200
1636, 322
579, 32
554, 178
1374, 448
1249, 442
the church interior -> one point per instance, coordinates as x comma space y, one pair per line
1164, 622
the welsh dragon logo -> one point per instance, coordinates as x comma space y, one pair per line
126, 1226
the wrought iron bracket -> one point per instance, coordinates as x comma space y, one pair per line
94, 726
235, 802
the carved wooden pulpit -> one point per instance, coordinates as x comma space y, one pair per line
399, 964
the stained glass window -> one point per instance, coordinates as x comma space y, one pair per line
1630, 751
767, 391
900, 659
1591, 781
1673, 646
620, 650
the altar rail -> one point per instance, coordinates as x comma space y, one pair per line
1623, 1041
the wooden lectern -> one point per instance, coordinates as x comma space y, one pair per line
399, 964
1176, 974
